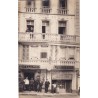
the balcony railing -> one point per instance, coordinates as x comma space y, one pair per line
47, 62
45, 10
62, 11
30, 10
40, 37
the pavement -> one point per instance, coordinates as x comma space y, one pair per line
45, 94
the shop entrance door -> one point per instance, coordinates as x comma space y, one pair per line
68, 86
29, 74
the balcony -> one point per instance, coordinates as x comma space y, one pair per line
46, 62
62, 11
46, 10
30, 10
64, 62
48, 37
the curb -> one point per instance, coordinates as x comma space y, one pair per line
47, 94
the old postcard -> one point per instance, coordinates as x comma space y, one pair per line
49, 48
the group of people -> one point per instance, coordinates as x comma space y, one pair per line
34, 85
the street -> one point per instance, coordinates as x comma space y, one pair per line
49, 96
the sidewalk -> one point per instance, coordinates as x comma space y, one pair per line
42, 93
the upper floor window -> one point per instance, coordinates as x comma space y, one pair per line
63, 4
45, 26
62, 27
71, 57
45, 3
30, 26
31, 2
43, 54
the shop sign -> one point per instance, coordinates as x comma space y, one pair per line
65, 67
29, 67
61, 76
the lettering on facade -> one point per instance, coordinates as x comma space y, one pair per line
29, 67
65, 67
61, 76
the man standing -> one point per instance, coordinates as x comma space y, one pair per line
46, 85
31, 84
26, 81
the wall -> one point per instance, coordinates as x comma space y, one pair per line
54, 52
20, 52
52, 18
53, 23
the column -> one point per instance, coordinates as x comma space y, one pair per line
74, 82
67, 53
53, 52
56, 52
20, 54
38, 5
77, 17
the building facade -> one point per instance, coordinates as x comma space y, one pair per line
49, 41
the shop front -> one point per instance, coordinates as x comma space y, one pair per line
63, 78
29, 71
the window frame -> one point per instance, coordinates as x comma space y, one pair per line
63, 25
45, 5
61, 4
29, 25
43, 55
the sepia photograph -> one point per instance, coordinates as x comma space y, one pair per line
49, 48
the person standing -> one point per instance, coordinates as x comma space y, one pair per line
54, 88
57, 89
26, 81
40, 86
35, 85
47, 83
31, 84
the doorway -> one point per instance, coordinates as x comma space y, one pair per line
29, 75
69, 86
64, 85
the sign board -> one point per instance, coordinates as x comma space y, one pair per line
29, 66
61, 76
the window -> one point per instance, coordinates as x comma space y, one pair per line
43, 55
63, 4
30, 26
45, 26
62, 27
71, 57
45, 3
29, 2
25, 52
43, 29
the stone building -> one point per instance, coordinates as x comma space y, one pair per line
49, 41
